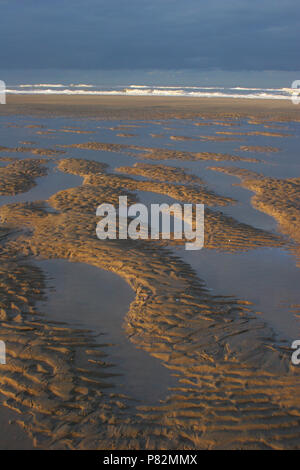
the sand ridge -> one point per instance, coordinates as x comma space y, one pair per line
158, 172
19, 176
150, 153
259, 148
33, 150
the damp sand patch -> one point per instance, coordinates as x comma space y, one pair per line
259, 148
12, 436
255, 133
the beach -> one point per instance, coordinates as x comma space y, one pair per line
148, 107
140, 344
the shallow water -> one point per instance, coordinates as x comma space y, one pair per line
45, 187
89, 297
267, 277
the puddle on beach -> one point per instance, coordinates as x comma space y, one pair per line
266, 277
91, 298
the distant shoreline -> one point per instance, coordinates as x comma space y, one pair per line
149, 107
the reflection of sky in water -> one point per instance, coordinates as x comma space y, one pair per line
46, 186
267, 277
86, 296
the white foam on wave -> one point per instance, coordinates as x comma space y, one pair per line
55, 85
65, 91
81, 85
147, 90
42, 85
179, 87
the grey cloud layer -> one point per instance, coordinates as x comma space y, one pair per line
163, 34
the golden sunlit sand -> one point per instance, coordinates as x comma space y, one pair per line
236, 386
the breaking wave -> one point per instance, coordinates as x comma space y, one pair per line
147, 90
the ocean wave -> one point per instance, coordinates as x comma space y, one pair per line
55, 85
42, 85
65, 91
179, 87
147, 90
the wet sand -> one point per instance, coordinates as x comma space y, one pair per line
13, 437
216, 346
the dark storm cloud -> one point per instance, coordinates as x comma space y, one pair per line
161, 34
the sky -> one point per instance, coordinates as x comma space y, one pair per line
151, 35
